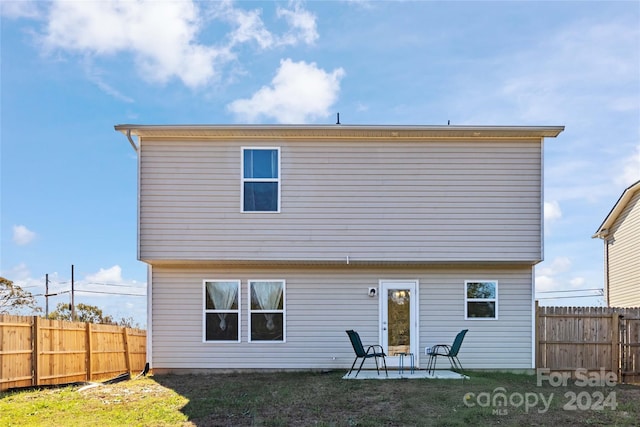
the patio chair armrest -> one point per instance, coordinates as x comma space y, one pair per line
435, 350
374, 347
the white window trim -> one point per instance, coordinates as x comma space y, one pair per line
243, 180
205, 311
283, 311
466, 300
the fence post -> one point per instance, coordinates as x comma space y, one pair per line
89, 344
615, 345
35, 340
127, 353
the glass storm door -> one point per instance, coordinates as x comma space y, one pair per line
398, 317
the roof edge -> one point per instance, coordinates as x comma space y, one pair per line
618, 207
382, 131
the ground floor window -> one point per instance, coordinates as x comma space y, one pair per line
222, 310
481, 299
266, 310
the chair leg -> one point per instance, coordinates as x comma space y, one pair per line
384, 363
354, 364
455, 363
361, 363
433, 360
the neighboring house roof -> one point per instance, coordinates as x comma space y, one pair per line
337, 131
621, 204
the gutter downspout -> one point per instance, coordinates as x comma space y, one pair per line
149, 316
149, 354
607, 242
133, 144
606, 238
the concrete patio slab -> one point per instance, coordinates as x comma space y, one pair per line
405, 375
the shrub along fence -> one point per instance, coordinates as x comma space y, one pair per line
591, 338
36, 351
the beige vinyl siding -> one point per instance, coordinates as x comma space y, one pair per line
400, 200
505, 343
323, 302
624, 257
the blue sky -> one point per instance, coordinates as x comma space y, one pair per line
72, 70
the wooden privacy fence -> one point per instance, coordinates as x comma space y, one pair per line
591, 338
36, 351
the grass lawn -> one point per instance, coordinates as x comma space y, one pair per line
325, 399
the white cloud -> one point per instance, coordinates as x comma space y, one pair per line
165, 39
18, 274
560, 264
544, 283
577, 282
302, 23
582, 72
111, 275
552, 211
161, 39
557, 283
360, 107
22, 235
547, 274
249, 25
630, 169
15, 9
299, 92
117, 297
96, 76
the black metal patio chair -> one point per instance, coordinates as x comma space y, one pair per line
448, 351
373, 351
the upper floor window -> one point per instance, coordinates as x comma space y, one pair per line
260, 179
481, 299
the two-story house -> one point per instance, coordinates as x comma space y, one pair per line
264, 243
620, 232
